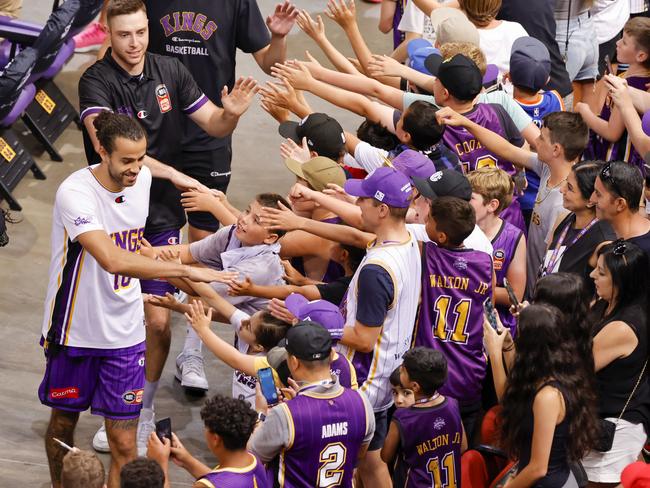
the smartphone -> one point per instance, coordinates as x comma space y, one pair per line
511, 294
608, 66
164, 429
267, 385
490, 314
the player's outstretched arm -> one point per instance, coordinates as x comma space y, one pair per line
247, 288
279, 24
491, 140
115, 260
220, 122
200, 319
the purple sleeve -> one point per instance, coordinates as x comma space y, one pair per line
191, 96
374, 296
94, 95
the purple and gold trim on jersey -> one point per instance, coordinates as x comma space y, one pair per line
63, 304
252, 476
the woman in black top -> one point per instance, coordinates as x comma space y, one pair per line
620, 356
578, 235
548, 415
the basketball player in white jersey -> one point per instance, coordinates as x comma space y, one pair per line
93, 329
381, 302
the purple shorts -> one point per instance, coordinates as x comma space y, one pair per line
109, 381
166, 238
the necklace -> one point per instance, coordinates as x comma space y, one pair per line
425, 400
549, 190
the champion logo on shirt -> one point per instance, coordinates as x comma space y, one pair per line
142, 114
120, 199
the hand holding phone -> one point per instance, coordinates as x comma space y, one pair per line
267, 385
608, 66
490, 314
511, 294
164, 429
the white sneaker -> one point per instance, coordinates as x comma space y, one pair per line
146, 426
100, 440
190, 371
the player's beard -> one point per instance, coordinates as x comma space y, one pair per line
120, 178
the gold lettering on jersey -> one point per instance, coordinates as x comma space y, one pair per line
6, 150
455, 282
432, 444
129, 240
334, 430
482, 288
468, 146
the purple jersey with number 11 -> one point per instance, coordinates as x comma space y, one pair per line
430, 443
326, 432
455, 283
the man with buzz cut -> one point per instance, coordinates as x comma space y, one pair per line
161, 93
321, 433
93, 328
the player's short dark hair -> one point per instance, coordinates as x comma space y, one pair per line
270, 331
123, 7
569, 131
111, 126
427, 367
422, 125
142, 473
394, 378
271, 200
355, 255
82, 469
377, 135
231, 419
455, 217
625, 181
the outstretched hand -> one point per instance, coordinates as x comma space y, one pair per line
313, 28
240, 97
293, 73
198, 317
283, 18
343, 12
382, 65
280, 218
240, 288
448, 116
289, 149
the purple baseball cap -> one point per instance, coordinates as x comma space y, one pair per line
386, 185
413, 163
320, 311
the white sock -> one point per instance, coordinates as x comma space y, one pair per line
150, 388
192, 340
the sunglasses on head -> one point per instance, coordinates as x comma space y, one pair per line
606, 175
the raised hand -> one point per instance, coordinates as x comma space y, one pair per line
168, 301
294, 74
280, 311
448, 116
240, 97
179, 454
280, 218
342, 12
284, 98
240, 288
278, 113
289, 149
283, 18
208, 275
338, 192
198, 317
184, 182
197, 201
313, 28
291, 274
382, 65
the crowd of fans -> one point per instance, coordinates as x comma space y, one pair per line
468, 267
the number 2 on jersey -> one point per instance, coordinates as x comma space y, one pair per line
461, 312
331, 471
448, 466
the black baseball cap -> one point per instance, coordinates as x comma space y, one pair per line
459, 75
308, 341
324, 134
445, 183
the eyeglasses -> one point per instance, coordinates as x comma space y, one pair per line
606, 175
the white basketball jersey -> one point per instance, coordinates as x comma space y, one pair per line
85, 305
402, 261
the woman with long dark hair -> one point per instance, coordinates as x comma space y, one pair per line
578, 235
620, 357
548, 408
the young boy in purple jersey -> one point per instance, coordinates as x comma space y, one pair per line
530, 70
229, 424
458, 82
492, 190
428, 436
609, 141
402, 397
320, 433
456, 281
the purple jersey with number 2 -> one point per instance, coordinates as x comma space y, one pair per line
455, 283
430, 442
253, 476
327, 432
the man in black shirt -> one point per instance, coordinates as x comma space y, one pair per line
162, 94
204, 35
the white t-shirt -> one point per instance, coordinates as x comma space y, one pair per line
477, 240
414, 20
496, 43
609, 17
86, 306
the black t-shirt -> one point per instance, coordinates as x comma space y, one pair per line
576, 257
375, 294
643, 242
538, 20
161, 98
335, 291
205, 35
